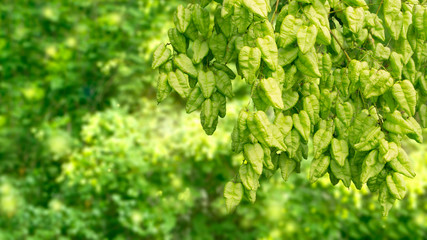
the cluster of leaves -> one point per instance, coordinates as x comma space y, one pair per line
154, 174
346, 74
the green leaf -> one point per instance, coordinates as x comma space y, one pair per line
302, 123
402, 164
249, 62
251, 195
321, 140
407, 21
269, 51
290, 98
393, 17
287, 166
378, 29
339, 38
223, 83
261, 128
326, 67
417, 131
257, 7
307, 64
220, 102
284, 123
200, 50
182, 18
179, 82
306, 37
289, 30
184, 64
342, 172
359, 126
312, 107
254, 154
160, 56
378, 83
339, 151
206, 83
355, 18
201, 20
386, 199
319, 166
233, 194
224, 68
195, 100
422, 113
249, 177
290, 77
292, 142
381, 52
355, 3
371, 166
272, 90
163, 87
218, 46
418, 20
268, 162
395, 123
287, 55
178, 40
345, 112
396, 185
388, 150
396, 65
209, 116
369, 139
405, 95
241, 19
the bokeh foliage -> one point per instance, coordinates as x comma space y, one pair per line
85, 152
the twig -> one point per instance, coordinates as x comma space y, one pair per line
275, 11
378, 10
254, 86
341, 46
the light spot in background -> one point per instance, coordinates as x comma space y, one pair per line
421, 219
51, 51
290, 227
50, 14
71, 42
33, 93
56, 205
185, 195
8, 200
59, 145
3, 120
136, 217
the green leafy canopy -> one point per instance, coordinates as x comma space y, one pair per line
346, 75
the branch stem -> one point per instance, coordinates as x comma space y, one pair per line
378, 10
341, 46
275, 11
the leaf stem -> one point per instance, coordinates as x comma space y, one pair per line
378, 10
341, 46
275, 11
254, 85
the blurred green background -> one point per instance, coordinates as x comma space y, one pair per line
86, 153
